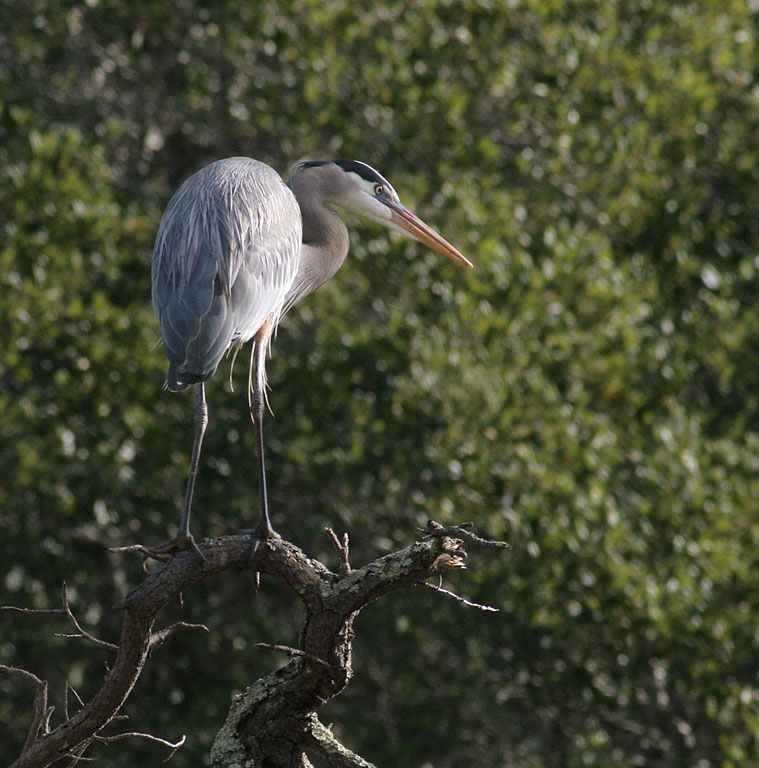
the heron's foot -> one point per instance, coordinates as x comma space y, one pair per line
164, 552
261, 533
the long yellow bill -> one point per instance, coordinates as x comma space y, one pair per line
424, 234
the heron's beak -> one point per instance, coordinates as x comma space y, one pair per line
406, 220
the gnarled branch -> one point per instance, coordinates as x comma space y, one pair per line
275, 719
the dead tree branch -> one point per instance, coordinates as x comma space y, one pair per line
42, 713
325, 744
274, 721
458, 598
80, 632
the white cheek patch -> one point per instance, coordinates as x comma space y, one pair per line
362, 184
366, 204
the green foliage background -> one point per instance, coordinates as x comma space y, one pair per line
588, 392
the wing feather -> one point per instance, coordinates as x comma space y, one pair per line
226, 254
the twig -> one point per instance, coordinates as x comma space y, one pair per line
144, 551
22, 674
342, 549
67, 689
80, 632
76, 695
172, 745
31, 610
77, 754
41, 719
292, 652
66, 610
436, 531
158, 638
456, 597
141, 548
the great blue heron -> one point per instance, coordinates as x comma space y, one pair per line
236, 248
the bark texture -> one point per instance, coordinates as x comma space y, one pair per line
273, 724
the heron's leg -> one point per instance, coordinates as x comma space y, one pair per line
257, 402
184, 538
201, 422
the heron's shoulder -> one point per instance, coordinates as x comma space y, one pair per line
228, 208
233, 186
234, 171
241, 164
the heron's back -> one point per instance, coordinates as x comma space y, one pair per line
225, 256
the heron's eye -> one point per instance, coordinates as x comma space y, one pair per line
379, 190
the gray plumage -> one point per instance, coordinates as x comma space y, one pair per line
236, 248
225, 257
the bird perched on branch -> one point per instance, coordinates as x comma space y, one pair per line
236, 248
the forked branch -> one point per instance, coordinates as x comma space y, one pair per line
274, 721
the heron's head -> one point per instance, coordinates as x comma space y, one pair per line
359, 189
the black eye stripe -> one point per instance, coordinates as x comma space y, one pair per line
360, 169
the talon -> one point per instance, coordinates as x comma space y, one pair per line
259, 534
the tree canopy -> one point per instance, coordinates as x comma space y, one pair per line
589, 392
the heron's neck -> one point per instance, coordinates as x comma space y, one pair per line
324, 248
